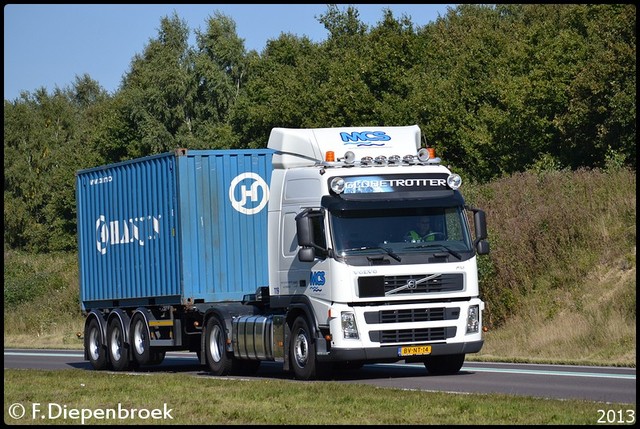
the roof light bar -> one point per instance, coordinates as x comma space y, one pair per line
380, 160
424, 156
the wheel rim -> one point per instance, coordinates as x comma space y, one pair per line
301, 349
214, 345
116, 345
139, 338
94, 344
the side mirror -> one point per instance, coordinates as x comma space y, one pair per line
482, 247
480, 227
304, 230
480, 223
306, 254
309, 249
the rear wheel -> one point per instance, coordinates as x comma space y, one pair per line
94, 346
116, 345
444, 365
218, 361
140, 343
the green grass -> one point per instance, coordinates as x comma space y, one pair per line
210, 401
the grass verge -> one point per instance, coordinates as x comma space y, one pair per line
206, 400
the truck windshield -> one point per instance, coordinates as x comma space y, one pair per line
398, 231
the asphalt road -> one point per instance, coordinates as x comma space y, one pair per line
600, 384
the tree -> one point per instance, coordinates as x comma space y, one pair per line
156, 102
46, 140
220, 69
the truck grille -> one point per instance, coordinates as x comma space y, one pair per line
411, 315
412, 335
377, 286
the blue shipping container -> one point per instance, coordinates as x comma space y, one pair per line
175, 228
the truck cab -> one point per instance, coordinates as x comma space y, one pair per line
344, 209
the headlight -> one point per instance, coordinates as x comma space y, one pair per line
473, 320
423, 155
409, 159
454, 181
380, 160
394, 159
337, 184
349, 328
366, 160
349, 157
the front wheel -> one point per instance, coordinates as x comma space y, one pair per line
444, 365
218, 361
303, 352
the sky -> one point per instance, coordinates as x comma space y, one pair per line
48, 45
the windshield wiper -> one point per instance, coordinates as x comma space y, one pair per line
388, 251
426, 246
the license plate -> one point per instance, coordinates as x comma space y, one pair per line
414, 350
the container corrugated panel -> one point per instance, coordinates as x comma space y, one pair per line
174, 228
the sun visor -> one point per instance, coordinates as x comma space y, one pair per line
299, 147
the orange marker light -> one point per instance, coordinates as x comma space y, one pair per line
330, 156
432, 152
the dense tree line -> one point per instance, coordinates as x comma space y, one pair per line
497, 89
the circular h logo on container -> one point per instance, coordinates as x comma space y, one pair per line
248, 193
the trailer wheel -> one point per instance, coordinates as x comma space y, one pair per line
115, 341
218, 361
95, 348
444, 365
140, 342
303, 352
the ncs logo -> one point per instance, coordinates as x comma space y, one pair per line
364, 138
317, 278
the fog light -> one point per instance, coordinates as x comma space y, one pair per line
366, 160
423, 155
394, 159
409, 159
380, 160
349, 157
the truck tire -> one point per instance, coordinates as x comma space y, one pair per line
140, 342
116, 345
218, 360
303, 352
444, 365
94, 346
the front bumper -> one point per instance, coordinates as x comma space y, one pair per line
390, 353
